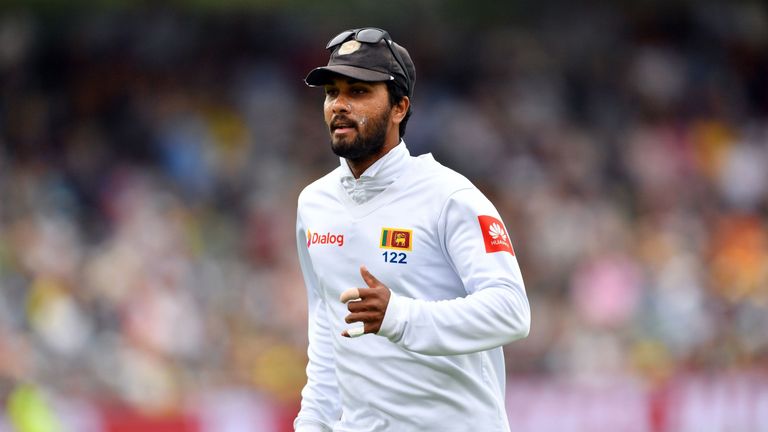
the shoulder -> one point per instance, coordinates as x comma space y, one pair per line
446, 190
320, 189
438, 177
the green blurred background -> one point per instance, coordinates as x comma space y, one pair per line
151, 154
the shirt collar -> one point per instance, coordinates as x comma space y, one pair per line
386, 169
377, 177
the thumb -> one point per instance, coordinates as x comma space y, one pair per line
369, 279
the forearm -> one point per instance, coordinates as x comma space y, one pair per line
487, 319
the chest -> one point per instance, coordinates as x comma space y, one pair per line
399, 243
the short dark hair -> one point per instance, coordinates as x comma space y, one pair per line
396, 94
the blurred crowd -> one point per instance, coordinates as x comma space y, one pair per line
150, 162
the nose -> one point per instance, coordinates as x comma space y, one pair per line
341, 105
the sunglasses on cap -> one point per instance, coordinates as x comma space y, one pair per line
372, 35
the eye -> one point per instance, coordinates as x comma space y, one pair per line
359, 90
331, 91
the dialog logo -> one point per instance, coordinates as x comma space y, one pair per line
495, 235
324, 239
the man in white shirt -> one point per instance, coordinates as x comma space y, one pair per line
412, 282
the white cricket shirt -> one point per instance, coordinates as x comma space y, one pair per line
439, 245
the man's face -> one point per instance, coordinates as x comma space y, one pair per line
358, 117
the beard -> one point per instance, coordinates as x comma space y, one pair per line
365, 144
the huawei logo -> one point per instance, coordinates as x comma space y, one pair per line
494, 235
497, 232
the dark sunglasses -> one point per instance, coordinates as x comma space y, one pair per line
372, 35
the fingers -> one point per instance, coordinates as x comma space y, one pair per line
354, 332
359, 306
365, 325
352, 298
364, 317
368, 312
357, 293
353, 294
367, 306
349, 295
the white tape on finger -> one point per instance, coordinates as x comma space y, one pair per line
349, 295
356, 331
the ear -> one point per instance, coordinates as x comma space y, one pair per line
400, 109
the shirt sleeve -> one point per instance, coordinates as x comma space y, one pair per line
320, 403
495, 310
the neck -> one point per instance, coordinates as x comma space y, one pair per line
358, 166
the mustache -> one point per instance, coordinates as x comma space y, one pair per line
342, 121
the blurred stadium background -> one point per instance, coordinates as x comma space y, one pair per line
151, 156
